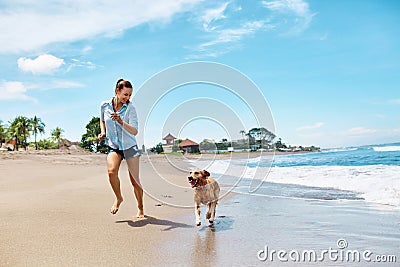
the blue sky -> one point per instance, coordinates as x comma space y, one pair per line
329, 70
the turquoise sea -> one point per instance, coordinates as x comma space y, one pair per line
368, 173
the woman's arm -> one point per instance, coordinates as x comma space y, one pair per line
131, 122
102, 134
131, 129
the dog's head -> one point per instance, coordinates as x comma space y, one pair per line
198, 177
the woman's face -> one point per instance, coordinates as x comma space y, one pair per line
124, 94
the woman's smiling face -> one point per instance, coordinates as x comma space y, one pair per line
124, 94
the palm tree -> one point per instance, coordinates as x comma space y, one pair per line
20, 128
56, 135
38, 127
26, 128
2, 133
13, 133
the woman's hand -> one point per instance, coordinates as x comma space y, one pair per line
115, 117
101, 136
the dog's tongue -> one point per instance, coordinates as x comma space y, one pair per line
192, 182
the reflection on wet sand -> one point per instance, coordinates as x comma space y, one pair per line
205, 250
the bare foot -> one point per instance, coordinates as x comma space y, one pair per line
140, 214
115, 206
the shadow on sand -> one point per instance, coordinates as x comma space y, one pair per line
154, 221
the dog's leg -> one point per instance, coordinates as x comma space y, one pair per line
208, 215
197, 213
213, 206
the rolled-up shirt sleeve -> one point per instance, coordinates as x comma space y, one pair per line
102, 107
132, 116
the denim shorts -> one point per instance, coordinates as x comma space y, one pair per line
127, 153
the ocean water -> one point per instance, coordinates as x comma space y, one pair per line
367, 173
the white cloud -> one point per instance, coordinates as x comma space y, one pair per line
357, 131
362, 135
14, 91
310, 127
224, 26
87, 49
395, 101
298, 12
362, 131
298, 7
31, 25
212, 15
83, 64
323, 37
62, 84
43, 64
229, 36
227, 24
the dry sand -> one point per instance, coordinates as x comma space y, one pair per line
55, 210
55, 205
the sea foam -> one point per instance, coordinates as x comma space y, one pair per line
386, 148
375, 183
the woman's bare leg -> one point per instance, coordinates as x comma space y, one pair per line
113, 163
133, 166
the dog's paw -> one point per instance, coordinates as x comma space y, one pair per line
211, 222
198, 223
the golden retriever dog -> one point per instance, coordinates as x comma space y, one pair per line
206, 192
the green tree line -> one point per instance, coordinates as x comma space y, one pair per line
21, 128
254, 139
90, 140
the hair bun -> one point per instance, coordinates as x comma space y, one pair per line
120, 80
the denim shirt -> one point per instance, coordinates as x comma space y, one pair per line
116, 136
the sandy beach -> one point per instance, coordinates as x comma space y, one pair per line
55, 212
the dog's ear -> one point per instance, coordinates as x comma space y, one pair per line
205, 173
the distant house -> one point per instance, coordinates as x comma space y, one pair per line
169, 139
189, 146
67, 144
12, 144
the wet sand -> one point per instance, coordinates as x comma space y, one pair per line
55, 205
249, 224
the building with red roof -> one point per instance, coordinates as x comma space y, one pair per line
189, 146
169, 139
